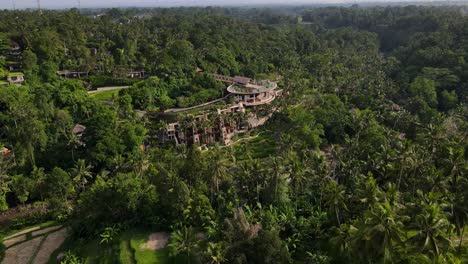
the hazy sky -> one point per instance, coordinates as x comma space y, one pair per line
8, 4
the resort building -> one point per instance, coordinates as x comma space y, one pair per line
14, 66
136, 74
15, 49
16, 78
253, 92
72, 74
207, 128
223, 124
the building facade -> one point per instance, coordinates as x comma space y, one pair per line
223, 124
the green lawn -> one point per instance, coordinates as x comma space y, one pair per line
125, 249
105, 95
260, 146
144, 256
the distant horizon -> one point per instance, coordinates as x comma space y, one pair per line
66, 4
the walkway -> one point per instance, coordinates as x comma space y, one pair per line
34, 245
109, 88
178, 110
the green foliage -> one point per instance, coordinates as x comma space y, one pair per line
424, 89
70, 258
363, 159
126, 197
184, 243
109, 234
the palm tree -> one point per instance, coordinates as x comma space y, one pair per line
4, 182
206, 125
219, 170
81, 173
342, 238
407, 160
74, 142
184, 242
369, 193
431, 225
381, 229
297, 174
216, 253
141, 164
335, 199
457, 187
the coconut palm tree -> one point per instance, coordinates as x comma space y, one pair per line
342, 237
380, 230
431, 225
216, 252
74, 141
335, 199
457, 189
184, 243
81, 173
219, 169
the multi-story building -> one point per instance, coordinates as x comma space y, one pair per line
14, 66
224, 123
72, 74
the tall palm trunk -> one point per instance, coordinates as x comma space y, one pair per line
337, 216
461, 239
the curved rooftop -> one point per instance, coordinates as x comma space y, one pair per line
252, 88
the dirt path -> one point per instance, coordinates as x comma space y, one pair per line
156, 241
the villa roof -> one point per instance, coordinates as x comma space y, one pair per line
14, 45
4, 151
78, 129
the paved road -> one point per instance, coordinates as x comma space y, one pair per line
109, 88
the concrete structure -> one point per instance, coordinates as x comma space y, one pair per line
207, 128
253, 93
136, 74
14, 66
248, 91
15, 78
72, 74
222, 125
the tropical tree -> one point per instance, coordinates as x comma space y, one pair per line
379, 232
81, 174
431, 227
184, 243
219, 170
216, 252
335, 199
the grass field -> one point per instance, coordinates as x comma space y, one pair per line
260, 146
125, 249
105, 95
